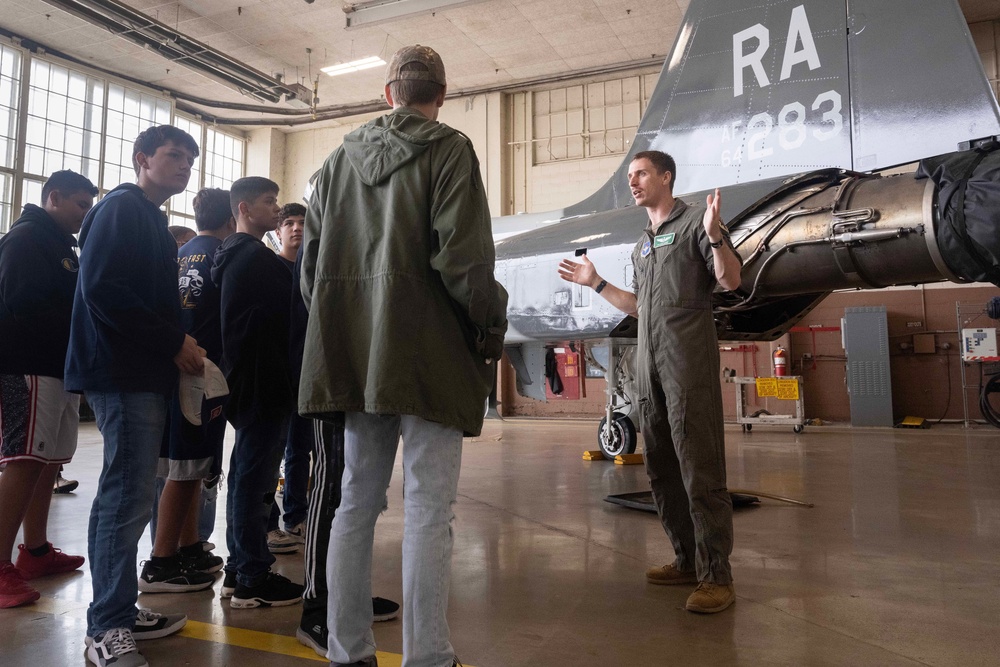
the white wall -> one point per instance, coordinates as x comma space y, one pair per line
266, 156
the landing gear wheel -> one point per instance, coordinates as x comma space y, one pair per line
797, 429
620, 438
747, 428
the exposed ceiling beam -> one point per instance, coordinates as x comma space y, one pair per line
127, 23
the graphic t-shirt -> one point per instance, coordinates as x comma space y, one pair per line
199, 295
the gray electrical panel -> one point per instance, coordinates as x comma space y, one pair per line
866, 341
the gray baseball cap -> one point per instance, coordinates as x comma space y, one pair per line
416, 54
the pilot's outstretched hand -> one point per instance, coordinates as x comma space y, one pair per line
712, 219
582, 273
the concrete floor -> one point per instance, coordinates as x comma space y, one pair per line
898, 563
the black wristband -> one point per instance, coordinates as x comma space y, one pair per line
719, 243
600, 286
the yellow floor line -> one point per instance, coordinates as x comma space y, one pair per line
218, 634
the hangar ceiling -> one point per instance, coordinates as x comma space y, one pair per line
485, 45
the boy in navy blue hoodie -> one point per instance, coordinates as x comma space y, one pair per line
38, 418
125, 349
256, 291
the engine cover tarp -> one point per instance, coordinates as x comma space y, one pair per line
968, 197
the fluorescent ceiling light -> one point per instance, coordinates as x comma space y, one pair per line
377, 11
353, 66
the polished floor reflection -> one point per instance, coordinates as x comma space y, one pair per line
898, 563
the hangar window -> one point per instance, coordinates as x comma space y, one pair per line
181, 206
589, 120
223, 159
63, 130
10, 95
76, 119
221, 163
130, 112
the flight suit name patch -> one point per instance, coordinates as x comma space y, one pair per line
664, 239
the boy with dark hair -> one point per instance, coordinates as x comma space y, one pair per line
38, 418
255, 304
181, 234
192, 453
126, 346
299, 441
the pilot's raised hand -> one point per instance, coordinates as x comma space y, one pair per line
582, 273
712, 219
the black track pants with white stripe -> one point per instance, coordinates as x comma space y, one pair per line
328, 472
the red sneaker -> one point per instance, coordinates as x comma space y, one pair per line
14, 591
54, 562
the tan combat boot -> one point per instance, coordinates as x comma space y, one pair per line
710, 598
670, 576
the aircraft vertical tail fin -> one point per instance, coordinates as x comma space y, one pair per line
761, 89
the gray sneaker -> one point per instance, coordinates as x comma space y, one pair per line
150, 625
280, 542
115, 648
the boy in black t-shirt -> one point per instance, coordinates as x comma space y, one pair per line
190, 453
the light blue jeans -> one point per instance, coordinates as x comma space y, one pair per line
432, 457
132, 425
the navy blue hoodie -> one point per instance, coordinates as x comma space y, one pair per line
38, 268
126, 313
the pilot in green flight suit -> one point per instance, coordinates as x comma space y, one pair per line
676, 267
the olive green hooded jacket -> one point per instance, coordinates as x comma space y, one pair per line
405, 316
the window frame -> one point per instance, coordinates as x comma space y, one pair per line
22, 181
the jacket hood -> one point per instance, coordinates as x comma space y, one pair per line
380, 147
39, 215
228, 252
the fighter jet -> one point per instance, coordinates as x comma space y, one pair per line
799, 111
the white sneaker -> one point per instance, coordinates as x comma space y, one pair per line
280, 542
297, 532
115, 648
63, 485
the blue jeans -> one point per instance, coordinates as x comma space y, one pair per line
295, 496
132, 425
432, 457
253, 476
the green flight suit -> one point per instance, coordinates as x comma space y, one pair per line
680, 404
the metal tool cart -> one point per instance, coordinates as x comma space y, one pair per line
783, 388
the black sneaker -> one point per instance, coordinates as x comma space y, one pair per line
314, 636
196, 558
172, 577
271, 590
367, 662
228, 585
384, 610
150, 625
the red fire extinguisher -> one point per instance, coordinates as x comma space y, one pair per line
780, 362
